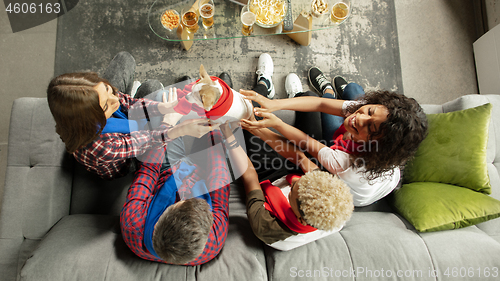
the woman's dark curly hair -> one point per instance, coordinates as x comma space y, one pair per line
399, 136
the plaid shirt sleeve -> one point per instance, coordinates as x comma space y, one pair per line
139, 196
138, 108
107, 154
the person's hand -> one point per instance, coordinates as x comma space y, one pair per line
269, 120
167, 105
229, 127
266, 104
245, 125
192, 127
171, 117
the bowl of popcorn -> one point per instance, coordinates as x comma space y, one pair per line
268, 13
170, 19
319, 8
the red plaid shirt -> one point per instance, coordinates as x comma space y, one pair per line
109, 154
148, 180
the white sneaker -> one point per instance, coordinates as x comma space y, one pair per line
265, 69
293, 85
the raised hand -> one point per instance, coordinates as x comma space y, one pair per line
171, 117
266, 104
229, 127
269, 120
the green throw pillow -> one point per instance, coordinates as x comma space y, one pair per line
454, 151
430, 206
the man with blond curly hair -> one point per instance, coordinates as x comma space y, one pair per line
295, 210
322, 200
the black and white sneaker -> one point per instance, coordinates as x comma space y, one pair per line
265, 69
339, 84
318, 80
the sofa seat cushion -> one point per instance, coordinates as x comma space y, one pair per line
465, 248
370, 241
90, 247
383, 246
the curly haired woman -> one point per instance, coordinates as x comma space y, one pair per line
367, 141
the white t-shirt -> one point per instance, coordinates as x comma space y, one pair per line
301, 238
363, 192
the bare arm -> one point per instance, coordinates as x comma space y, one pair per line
237, 155
240, 159
250, 178
305, 104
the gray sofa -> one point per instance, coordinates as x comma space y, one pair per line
59, 222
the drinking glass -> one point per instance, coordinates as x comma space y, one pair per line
207, 10
247, 19
190, 19
340, 11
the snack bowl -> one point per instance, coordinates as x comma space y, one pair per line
319, 8
170, 19
268, 16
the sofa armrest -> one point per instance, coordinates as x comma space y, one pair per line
38, 179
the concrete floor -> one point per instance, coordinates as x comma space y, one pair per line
435, 38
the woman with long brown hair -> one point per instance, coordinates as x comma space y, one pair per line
103, 127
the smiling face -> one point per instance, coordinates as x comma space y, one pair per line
293, 199
107, 99
365, 121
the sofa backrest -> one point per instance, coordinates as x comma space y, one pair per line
39, 168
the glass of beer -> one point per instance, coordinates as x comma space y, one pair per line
340, 11
190, 20
247, 20
207, 10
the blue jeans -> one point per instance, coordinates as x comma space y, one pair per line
330, 123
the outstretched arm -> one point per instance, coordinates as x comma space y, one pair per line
240, 159
237, 155
305, 104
